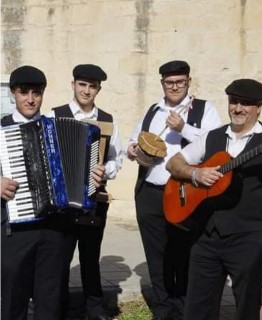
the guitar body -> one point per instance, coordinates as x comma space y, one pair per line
181, 198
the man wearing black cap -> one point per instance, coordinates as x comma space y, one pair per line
33, 254
184, 118
232, 241
89, 234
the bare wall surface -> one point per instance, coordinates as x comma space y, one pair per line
130, 39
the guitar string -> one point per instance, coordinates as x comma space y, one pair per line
236, 159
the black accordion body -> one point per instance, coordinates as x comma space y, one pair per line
52, 160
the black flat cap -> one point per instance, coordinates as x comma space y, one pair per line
27, 75
176, 67
89, 72
247, 89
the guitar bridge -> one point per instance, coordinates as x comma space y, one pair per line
182, 194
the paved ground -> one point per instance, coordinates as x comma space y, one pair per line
124, 270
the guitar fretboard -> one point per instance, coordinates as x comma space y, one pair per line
236, 162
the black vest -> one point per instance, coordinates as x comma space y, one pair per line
7, 120
65, 111
239, 208
194, 118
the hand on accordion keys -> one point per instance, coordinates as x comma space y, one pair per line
98, 174
8, 188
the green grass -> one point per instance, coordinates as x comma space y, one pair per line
135, 310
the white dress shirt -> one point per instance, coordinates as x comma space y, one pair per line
195, 152
115, 152
158, 174
19, 118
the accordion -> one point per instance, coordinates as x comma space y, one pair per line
52, 160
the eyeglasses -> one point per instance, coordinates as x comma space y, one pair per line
179, 83
243, 102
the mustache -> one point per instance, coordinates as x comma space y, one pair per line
239, 113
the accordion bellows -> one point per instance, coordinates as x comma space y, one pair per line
151, 148
51, 159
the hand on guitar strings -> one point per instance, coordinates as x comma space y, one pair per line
98, 174
207, 176
8, 188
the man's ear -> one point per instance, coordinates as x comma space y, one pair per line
259, 110
12, 91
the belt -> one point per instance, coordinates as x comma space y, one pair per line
155, 186
88, 220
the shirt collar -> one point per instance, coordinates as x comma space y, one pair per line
77, 110
257, 128
18, 117
162, 104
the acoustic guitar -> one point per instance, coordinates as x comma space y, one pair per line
181, 197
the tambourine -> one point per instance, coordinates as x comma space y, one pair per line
150, 149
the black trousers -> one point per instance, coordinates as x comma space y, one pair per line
89, 239
33, 265
213, 258
178, 252
180, 240
153, 230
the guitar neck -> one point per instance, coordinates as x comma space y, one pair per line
239, 160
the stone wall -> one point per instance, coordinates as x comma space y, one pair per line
129, 39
